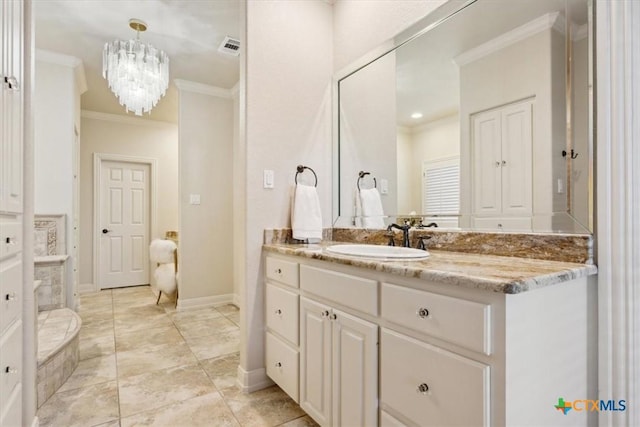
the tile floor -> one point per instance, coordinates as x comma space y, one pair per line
143, 364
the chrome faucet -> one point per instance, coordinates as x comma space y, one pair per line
405, 232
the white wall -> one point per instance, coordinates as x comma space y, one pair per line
115, 134
580, 106
285, 100
405, 170
59, 84
285, 105
206, 148
361, 25
368, 134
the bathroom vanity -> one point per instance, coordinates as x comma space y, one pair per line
456, 339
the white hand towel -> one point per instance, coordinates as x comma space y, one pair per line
165, 275
161, 251
306, 215
372, 213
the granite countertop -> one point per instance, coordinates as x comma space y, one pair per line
509, 275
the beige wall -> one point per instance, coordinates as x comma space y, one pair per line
206, 229
111, 134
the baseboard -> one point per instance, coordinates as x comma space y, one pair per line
250, 381
87, 288
213, 301
236, 300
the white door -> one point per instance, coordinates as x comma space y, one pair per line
355, 371
315, 361
486, 139
517, 158
123, 226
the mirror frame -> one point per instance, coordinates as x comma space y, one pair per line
422, 26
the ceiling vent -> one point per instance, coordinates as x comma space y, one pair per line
230, 46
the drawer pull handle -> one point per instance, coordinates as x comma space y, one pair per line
11, 297
10, 370
278, 271
423, 313
278, 365
423, 388
325, 313
278, 312
10, 240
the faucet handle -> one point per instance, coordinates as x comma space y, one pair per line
421, 244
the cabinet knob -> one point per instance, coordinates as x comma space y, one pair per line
278, 365
278, 271
422, 313
504, 163
423, 388
11, 297
497, 163
333, 316
325, 313
278, 312
10, 240
10, 370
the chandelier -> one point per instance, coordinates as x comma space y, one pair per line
137, 73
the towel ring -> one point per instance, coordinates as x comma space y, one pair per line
301, 169
361, 175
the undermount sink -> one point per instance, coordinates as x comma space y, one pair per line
379, 251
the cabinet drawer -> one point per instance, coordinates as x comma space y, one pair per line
10, 362
282, 312
283, 365
11, 412
351, 291
282, 271
506, 223
458, 321
431, 386
10, 292
10, 238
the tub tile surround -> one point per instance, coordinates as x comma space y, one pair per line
58, 350
573, 248
50, 259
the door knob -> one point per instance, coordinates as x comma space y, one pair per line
105, 231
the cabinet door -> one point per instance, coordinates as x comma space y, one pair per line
355, 371
487, 163
516, 158
315, 360
11, 174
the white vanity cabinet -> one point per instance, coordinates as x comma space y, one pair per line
282, 307
393, 349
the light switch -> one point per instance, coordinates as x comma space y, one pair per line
560, 186
384, 186
268, 179
194, 199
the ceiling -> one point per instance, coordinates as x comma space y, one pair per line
189, 31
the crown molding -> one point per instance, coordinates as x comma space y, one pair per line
544, 22
189, 86
66, 61
118, 118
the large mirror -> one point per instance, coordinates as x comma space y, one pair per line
480, 119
